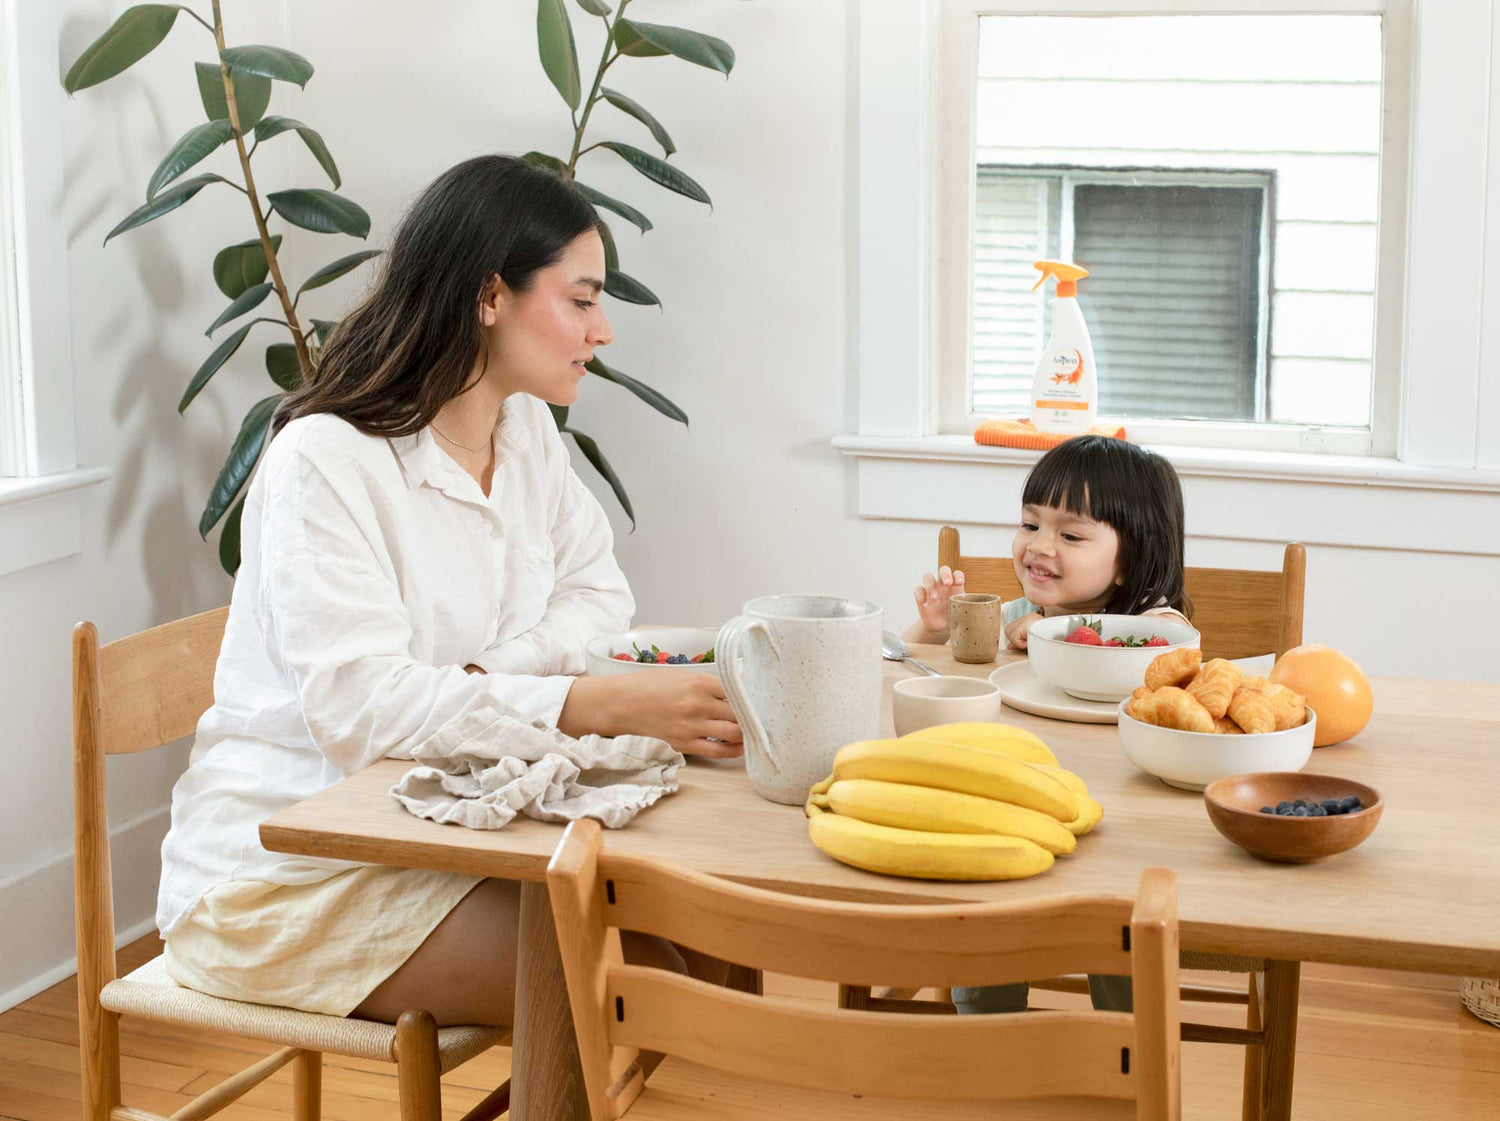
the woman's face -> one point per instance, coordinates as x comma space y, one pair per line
539, 339
1064, 559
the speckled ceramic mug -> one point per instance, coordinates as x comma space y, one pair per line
803, 675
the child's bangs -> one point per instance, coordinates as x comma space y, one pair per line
1060, 480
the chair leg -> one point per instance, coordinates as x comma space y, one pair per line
417, 1067
854, 996
307, 1086
1250, 1100
1279, 1012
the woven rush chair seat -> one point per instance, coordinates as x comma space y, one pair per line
150, 992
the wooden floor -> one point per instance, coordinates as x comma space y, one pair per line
1371, 1046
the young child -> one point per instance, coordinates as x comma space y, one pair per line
1101, 533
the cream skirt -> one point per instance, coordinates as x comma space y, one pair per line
320, 947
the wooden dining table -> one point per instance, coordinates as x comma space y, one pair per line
1421, 894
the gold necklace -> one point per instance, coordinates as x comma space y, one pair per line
455, 443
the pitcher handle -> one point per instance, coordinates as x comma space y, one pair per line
728, 653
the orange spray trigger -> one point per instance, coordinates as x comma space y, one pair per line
1065, 273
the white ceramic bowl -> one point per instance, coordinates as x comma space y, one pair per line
691, 641
1192, 760
925, 702
1101, 673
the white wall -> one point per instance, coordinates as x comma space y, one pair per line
757, 342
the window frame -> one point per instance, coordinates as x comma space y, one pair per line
1070, 177
953, 193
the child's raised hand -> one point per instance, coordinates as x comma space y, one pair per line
933, 594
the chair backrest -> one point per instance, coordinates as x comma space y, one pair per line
619, 1010
1241, 612
138, 692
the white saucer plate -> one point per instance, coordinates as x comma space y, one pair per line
1022, 689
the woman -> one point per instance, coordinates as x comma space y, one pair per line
415, 517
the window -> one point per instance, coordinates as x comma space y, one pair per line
1235, 185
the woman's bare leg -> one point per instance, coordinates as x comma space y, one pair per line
464, 972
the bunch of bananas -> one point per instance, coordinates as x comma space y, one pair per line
954, 802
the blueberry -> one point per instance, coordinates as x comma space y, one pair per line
1283, 807
1317, 811
1299, 811
1332, 805
1299, 802
1267, 810
1352, 802
1353, 809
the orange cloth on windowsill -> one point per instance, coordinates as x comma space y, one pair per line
1023, 434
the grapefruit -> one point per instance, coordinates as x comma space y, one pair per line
1335, 688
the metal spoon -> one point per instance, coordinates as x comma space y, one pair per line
893, 648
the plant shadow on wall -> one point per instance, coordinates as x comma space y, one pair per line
235, 92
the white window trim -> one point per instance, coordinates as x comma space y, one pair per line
1447, 400
40, 504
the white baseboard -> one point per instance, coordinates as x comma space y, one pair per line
37, 947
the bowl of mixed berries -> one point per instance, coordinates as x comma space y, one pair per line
645, 649
1102, 657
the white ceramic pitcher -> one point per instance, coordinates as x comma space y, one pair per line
803, 675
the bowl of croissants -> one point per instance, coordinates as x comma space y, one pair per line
1194, 721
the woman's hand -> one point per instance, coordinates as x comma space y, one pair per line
683, 708
1016, 633
932, 596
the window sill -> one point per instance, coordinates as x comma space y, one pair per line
41, 517
1224, 463
1273, 497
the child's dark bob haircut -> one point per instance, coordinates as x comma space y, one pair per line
1134, 491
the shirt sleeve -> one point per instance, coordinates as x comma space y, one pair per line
337, 626
590, 597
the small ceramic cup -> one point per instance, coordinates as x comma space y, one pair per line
974, 627
923, 702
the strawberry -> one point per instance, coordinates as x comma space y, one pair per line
661, 657
1157, 640
622, 657
1085, 636
1114, 642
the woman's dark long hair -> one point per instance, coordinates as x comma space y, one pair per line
395, 360
1138, 494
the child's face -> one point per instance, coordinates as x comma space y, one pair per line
1064, 559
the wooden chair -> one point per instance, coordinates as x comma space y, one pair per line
138, 693
1241, 613
725, 1047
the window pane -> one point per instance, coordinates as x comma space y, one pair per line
1172, 302
1136, 118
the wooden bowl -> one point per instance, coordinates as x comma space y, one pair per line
1234, 807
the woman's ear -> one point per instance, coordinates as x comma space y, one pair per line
490, 299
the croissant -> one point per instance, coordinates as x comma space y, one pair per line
1288, 707
1225, 726
1261, 683
1170, 707
1175, 667
1250, 709
1215, 685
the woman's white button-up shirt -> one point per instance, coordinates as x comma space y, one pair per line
372, 571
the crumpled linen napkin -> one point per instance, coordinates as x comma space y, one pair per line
492, 764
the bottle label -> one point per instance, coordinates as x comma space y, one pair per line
1065, 388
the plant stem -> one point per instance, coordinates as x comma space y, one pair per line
605, 62
304, 359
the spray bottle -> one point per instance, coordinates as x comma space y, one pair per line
1065, 390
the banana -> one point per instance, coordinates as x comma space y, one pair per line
943, 811
1003, 739
967, 770
1066, 777
1089, 814
923, 855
